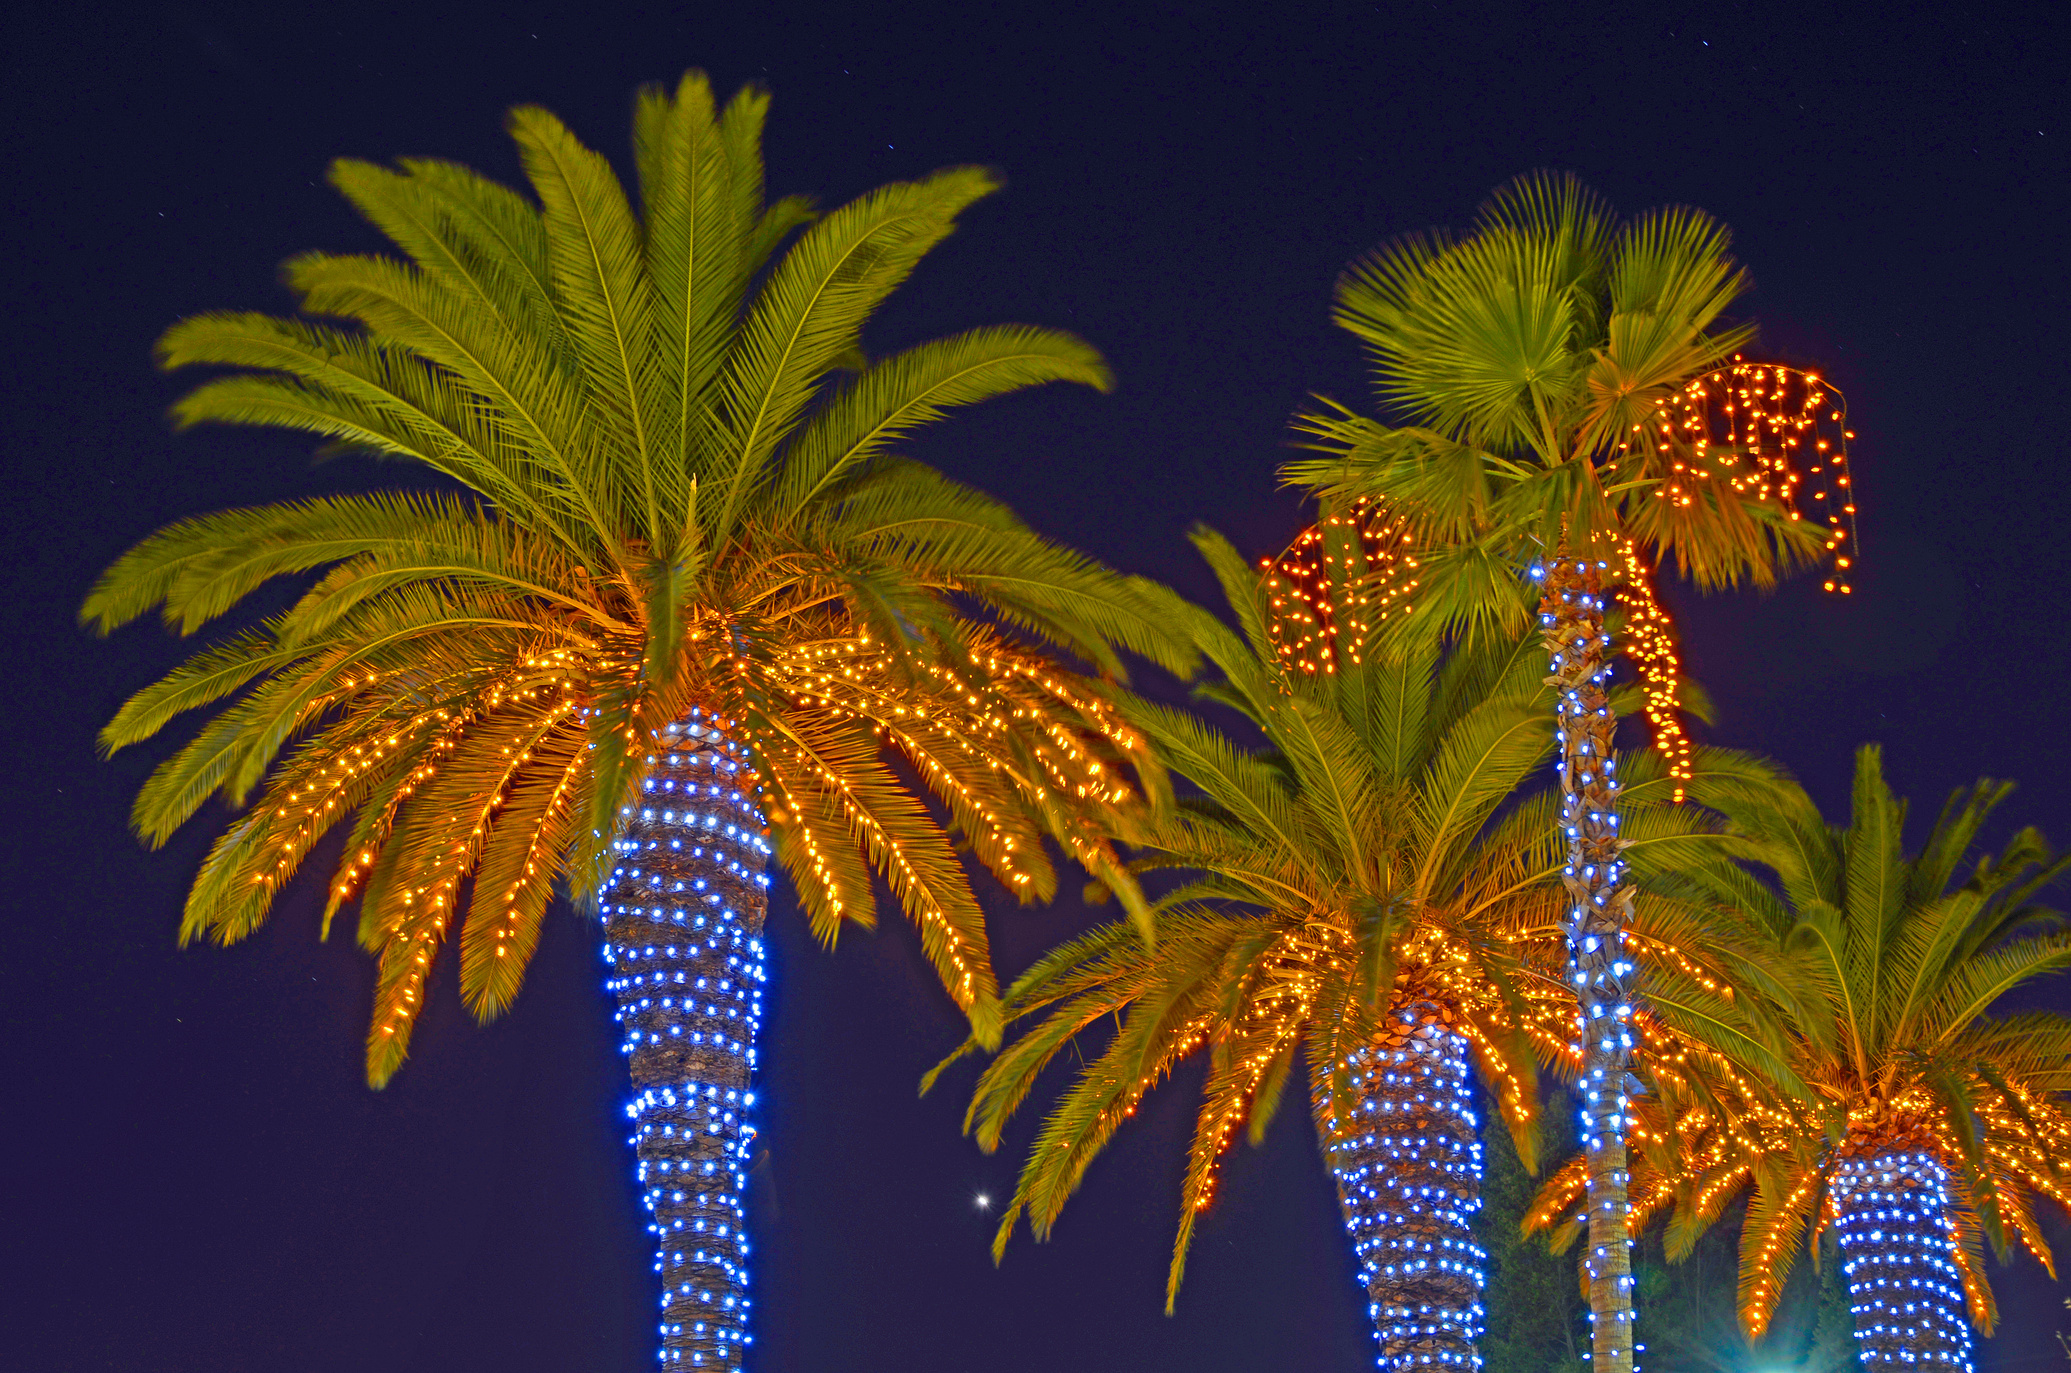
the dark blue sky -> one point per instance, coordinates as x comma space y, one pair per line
198, 1179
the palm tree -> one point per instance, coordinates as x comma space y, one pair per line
687, 609
1909, 1118
1362, 891
1570, 399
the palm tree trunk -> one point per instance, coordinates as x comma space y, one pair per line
1898, 1253
1571, 616
1407, 1160
683, 915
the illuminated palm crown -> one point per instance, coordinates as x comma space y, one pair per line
669, 506
1882, 969
1557, 373
1374, 855
1547, 363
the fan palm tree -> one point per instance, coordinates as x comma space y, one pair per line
686, 609
1913, 1121
1547, 370
1362, 894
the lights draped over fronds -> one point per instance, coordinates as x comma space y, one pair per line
673, 504
1771, 434
1336, 584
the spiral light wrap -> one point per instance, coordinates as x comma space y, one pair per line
1898, 1255
683, 913
1407, 1160
1600, 967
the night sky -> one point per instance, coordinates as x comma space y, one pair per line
197, 1177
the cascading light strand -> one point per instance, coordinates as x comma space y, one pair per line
1650, 643
1766, 433
683, 914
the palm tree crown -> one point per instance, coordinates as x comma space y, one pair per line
1368, 892
1529, 361
1884, 968
666, 505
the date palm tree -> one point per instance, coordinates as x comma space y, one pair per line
1362, 893
1547, 371
1917, 1123
681, 608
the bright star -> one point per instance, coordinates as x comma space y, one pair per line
984, 1202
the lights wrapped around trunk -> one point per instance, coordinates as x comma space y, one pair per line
1898, 1255
683, 913
1407, 1160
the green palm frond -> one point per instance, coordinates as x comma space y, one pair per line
916, 387
812, 311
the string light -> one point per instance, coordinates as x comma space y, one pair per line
1650, 643
1338, 580
683, 914
1407, 1160
1600, 966
1899, 1256
1749, 432
1766, 433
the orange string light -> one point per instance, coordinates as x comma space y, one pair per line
1316, 610
1767, 433
1650, 643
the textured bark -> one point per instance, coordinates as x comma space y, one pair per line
1572, 620
683, 914
1890, 1197
1406, 1156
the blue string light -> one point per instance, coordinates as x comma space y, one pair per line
683, 913
1600, 966
1408, 1166
1898, 1254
